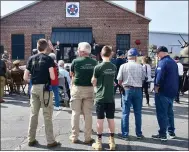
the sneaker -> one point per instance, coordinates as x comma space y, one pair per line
148, 104
112, 144
172, 135
73, 140
54, 144
162, 138
123, 137
140, 137
57, 108
98, 144
177, 101
89, 141
33, 143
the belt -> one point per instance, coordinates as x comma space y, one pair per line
131, 87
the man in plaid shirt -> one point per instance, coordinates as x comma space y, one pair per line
131, 76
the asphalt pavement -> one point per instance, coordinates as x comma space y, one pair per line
15, 119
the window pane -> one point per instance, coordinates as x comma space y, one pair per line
18, 46
123, 42
18, 39
17, 52
35, 38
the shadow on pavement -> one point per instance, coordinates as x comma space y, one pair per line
178, 141
3, 106
58, 148
17, 100
124, 147
18, 103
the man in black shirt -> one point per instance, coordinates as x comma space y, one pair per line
2, 79
40, 66
119, 61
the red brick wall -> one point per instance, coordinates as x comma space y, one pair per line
106, 20
140, 6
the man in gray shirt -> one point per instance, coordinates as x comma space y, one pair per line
131, 76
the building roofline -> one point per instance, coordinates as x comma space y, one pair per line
165, 32
29, 5
126, 9
20, 9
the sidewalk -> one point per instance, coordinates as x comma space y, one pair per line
61, 122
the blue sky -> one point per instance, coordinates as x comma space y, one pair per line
170, 16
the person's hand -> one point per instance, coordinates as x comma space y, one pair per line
156, 89
27, 81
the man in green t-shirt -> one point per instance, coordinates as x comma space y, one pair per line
82, 92
103, 79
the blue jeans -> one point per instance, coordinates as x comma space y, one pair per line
55, 90
132, 96
165, 114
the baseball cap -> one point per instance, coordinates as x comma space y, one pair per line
162, 49
120, 53
176, 58
133, 52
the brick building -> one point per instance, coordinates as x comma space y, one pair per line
101, 22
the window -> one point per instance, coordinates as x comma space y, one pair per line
18, 46
35, 38
123, 42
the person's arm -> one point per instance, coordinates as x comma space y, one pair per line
27, 70
150, 73
27, 75
52, 74
51, 69
95, 76
68, 78
160, 73
144, 72
120, 75
182, 68
72, 70
94, 81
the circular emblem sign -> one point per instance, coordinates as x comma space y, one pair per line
72, 9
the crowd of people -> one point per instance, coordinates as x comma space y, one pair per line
96, 84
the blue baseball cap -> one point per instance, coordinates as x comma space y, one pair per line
133, 52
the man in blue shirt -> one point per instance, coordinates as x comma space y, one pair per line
166, 88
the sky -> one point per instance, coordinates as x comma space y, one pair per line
168, 16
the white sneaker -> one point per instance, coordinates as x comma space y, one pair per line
57, 108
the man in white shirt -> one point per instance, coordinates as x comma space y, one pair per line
64, 74
180, 72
